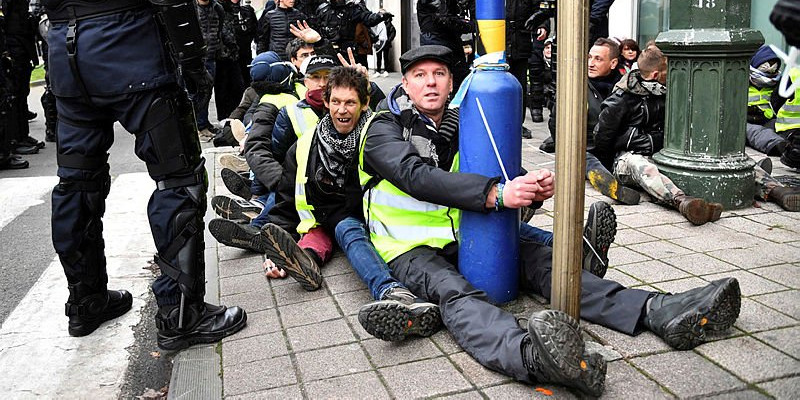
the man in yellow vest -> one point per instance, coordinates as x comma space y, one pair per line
788, 124
412, 214
763, 103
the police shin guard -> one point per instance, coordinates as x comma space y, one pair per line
50, 115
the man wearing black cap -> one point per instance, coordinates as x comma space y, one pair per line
412, 194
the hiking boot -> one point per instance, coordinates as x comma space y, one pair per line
235, 234
235, 209
29, 141
598, 234
608, 185
22, 148
698, 211
526, 133
233, 162
765, 164
86, 311
786, 197
683, 319
201, 323
281, 248
399, 314
236, 183
13, 161
224, 137
536, 115
548, 146
553, 352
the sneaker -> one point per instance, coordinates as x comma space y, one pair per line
234, 163
236, 183
375, 75
13, 161
206, 134
598, 234
399, 314
385, 74
235, 209
238, 130
281, 248
554, 352
235, 234
683, 319
765, 164
526, 133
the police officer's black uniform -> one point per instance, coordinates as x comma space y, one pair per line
107, 65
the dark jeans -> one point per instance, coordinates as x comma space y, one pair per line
268, 201
201, 100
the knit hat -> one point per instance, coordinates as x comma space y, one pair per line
763, 55
269, 67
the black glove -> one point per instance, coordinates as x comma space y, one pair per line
786, 18
537, 19
196, 77
387, 16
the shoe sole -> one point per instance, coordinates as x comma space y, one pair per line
293, 259
688, 330
393, 321
236, 184
232, 234
175, 343
600, 231
233, 163
557, 338
87, 327
229, 208
609, 186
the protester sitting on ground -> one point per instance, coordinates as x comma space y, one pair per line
763, 102
422, 252
788, 124
631, 129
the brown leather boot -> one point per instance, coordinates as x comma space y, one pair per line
696, 210
786, 197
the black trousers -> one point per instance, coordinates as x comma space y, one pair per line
491, 335
519, 68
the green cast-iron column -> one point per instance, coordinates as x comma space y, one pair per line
709, 46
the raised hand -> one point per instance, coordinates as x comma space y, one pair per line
304, 32
352, 62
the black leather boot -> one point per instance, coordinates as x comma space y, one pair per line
608, 185
683, 319
554, 352
196, 323
88, 308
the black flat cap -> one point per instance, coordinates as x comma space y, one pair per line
427, 52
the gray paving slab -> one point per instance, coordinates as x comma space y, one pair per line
632, 236
243, 283
476, 373
749, 283
669, 231
322, 334
365, 385
254, 348
622, 255
625, 382
617, 275
258, 323
336, 266
628, 346
785, 340
294, 293
308, 312
785, 274
755, 317
345, 283
699, 264
412, 380
446, 343
687, 374
782, 389
385, 354
680, 285
660, 250
254, 301
240, 266
472, 395
281, 393
351, 302
331, 362
740, 395
258, 375
750, 359
515, 390
652, 271
747, 258
787, 302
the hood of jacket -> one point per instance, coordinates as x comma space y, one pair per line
632, 82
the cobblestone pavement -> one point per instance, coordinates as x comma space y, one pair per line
310, 345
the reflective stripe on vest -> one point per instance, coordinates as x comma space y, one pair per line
307, 220
279, 100
760, 98
398, 222
302, 118
789, 114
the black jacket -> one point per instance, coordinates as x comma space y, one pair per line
337, 23
631, 120
518, 39
594, 99
245, 28
441, 18
273, 30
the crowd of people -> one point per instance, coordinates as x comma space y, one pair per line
327, 160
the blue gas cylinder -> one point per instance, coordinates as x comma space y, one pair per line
488, 254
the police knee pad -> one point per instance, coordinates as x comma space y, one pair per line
172, 132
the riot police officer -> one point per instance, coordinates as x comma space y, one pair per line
133, 82
337, 24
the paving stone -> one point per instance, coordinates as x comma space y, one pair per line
473, 395
257, 300
290, 294
384, 354
747, 226
776, 220
622, 255
476, 373
243, 284
680, 285
628, 346
240, 266
747, 258
783, 389
282, 393
652, 271
337, 265
358, 330
631, 236
365, 385
625, 382
750, 284
687, 374
412, 380
323, 334
259, 323
345, 283
351, 302
669, 231
516, 390
640, 220
258, 375
446, 342
749, 359
787, 302
786, 274
785, 252
333, 361
739, 395
246, 350
721, 239
308, 312
608, 352
617, 275
785, 340
755, 317
699, 264
231, 253
660, 250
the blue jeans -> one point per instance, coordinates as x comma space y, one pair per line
352, 237
268, 201
536, 235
